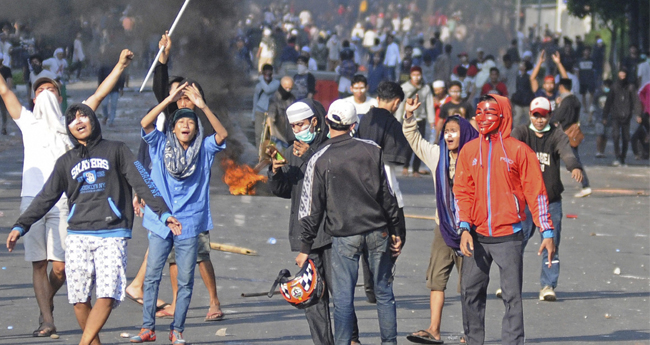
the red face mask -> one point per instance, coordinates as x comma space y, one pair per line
488, 116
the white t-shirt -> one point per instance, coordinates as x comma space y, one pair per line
266, 51
39, 161
363, 108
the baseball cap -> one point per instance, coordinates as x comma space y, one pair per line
549, 78
299, 111
43, 80
479, 50
342, 112
463, 54
306, 49
416, 69
540, 105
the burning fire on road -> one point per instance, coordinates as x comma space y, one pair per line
241, 179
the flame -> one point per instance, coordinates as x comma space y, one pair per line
240, 178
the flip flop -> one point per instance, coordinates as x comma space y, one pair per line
45, 330
216, 316
426, 339
164, 314
162, 306
139, 301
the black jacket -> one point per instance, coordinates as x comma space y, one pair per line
380, 126
568, 112
97, 178
552, 146
345, 183
287, 183
620, 103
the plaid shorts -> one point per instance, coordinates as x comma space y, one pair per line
99, 262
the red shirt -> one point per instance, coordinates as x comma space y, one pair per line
500, 88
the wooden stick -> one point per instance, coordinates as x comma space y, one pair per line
258, 294
232, 249
414, 216
171, 30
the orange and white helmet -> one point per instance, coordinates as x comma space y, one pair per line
303, 290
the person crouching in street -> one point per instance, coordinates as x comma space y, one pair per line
345, 186
181, 161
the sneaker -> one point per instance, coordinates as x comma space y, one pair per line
600, 155
176, 337
498, 293
547, 294
583, 193
616, 163
145, 335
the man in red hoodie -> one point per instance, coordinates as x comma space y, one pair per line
496, 177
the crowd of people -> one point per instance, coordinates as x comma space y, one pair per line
484, 128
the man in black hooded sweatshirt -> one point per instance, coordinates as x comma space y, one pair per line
97, 175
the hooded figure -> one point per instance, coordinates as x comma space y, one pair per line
95, 137
496, 176
57, 63
444, 194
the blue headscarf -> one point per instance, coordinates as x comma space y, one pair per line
444, 192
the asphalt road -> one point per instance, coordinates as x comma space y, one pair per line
595, 305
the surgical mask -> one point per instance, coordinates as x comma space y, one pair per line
305, 135
302, 69
544, 130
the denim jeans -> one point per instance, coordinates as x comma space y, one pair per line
159, 249
549, 276
112, 100
345, 269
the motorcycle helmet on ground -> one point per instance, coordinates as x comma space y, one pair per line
304, 289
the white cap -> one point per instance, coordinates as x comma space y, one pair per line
299, 111
528, 53
342, 112
306, 49
417, 52
540, 105
438, 84
479, 49
599, 41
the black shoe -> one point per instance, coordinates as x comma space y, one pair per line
370, 295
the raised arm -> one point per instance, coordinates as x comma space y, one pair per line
107, 85
195, 96
534, 85
148, 122
9, 98
161, 73
560, 66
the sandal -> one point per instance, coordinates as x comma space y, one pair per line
45, 330
216, 316
427, 338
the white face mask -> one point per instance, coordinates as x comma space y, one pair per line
302, 69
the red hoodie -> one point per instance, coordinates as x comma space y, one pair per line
496, 176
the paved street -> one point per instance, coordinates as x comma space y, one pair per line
595, 305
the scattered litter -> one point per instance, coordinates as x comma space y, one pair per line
240, 219
2, 214
272, 240
10, 327
54, 336
618, 250
640, 235
600, 235
221, 332
572, 216
125, 335
4, 268
608, 316
246, 199
633, 277
585, 316
453, 338
617, 271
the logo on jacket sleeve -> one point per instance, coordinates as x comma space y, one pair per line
474, 162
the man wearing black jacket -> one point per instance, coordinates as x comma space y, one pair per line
619, 107
345, 186
550, 144
97, 176
566, 113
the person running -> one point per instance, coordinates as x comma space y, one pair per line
488, 168
181, 160
440, 158
97, 175
45, 139
550, 144
349, 173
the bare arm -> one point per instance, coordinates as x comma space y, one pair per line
166, 42
560, 66
107, 85
148, 122
195, 96
9, 97
534, 85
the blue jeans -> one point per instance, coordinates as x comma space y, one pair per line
549, 276
159, 249
345, 268
112, 100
